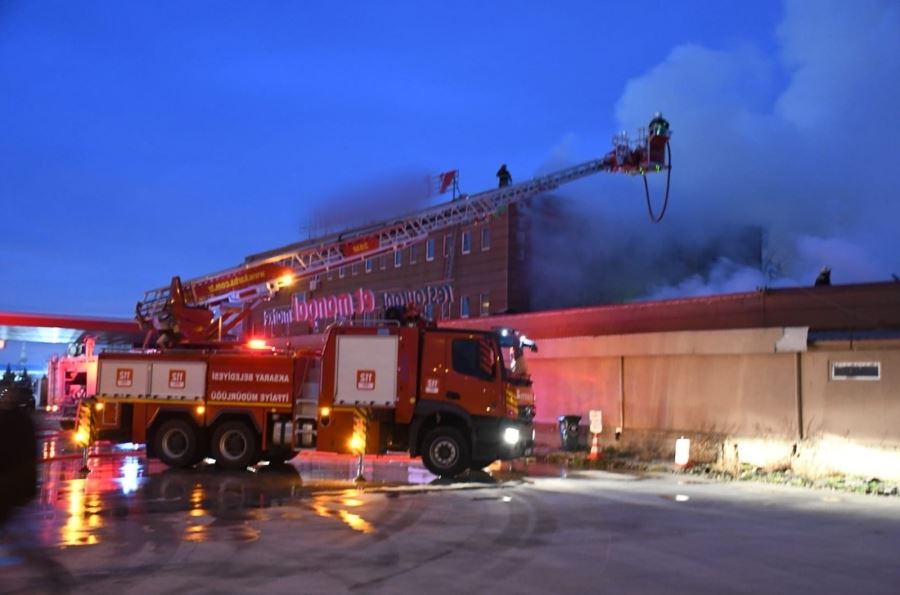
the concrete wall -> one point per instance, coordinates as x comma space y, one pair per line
575, 386
741, 395
707, 380
736, 394
867, 411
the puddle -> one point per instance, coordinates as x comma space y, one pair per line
388, 470
127, 499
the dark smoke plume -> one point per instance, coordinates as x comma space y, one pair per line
782, 166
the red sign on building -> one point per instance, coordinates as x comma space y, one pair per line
361, 301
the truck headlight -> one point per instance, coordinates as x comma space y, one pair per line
511, 435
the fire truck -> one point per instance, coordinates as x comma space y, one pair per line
449, 396
459, 399
70, 379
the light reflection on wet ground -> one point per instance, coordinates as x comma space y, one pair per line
134, 526
125, 495
128, 499
328, 507
133, 517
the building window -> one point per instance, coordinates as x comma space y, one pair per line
354, 269
485, 239
382, 261
429, 311
448, 245
466, 242
485, 300
369, 265
342, 272
398, 258
856, 370
464, 307
429, 250
445, 311
329, 275
412, 254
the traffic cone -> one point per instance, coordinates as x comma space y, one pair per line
596, 451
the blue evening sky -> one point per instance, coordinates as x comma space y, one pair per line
146, 139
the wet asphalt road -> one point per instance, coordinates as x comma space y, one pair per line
134, 527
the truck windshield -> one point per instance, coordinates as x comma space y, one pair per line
514, 361
513, 347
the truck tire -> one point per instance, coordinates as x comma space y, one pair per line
445, 452
235, 446
177, 444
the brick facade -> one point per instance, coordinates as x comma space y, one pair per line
464, 272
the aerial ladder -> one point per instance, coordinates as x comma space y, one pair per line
205, 310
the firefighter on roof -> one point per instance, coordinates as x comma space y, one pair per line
504, 176
824, 277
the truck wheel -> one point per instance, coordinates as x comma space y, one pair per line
445, 452
234, 445
176, 443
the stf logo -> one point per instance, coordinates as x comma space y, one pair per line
365, 380
177, 378
124, 377
431, 386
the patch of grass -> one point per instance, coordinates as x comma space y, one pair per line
613, 460
785, 476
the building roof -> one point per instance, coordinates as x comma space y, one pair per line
59, 328
866, 306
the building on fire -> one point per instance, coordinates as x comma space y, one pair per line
471, 271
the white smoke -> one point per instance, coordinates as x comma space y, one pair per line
800, 145
724, 276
